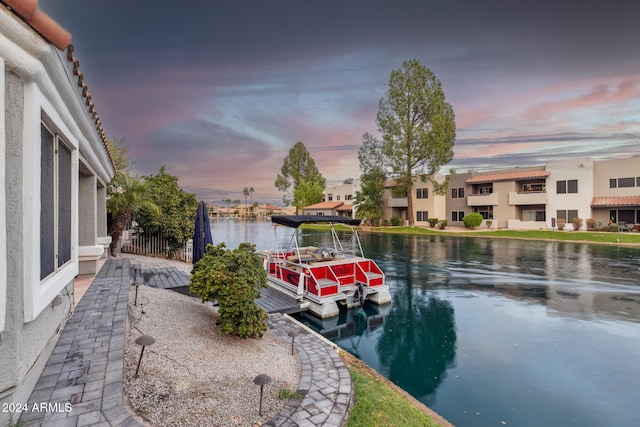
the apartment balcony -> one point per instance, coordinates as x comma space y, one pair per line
489, 199
527, 198
397, 202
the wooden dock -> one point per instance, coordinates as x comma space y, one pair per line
271, 300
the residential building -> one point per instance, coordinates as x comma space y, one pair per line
534, 197
322, 208
537, 197
456, 199
616, 191
426, 203
508, 195
55, 169
345, 193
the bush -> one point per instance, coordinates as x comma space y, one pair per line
433, 222
442, 224
612, 228
472, 220
591, 224
386, 222
395, 221
560, 223
488, 223
577, 223
233, 278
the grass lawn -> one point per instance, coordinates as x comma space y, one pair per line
626, 238
378, 402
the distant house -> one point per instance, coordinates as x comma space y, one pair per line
55, 169
322, 208
344, 193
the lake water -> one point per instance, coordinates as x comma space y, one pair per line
493, 332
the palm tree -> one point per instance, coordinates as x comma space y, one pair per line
125, 195
251, 190
245, 191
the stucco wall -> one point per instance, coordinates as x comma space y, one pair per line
577, 168
25, 347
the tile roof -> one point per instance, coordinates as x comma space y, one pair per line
53, 33
610, 201
345, 208
324, 205
512, 175
40, 21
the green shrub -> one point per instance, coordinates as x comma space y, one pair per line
433, 222
577, 223
395, 221
591, 224
442, 224
233, 278
472, 220
613, 228
386, 222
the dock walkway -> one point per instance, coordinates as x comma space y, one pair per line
271, 300
84, 374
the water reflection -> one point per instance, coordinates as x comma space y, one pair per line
418, 343
488, 332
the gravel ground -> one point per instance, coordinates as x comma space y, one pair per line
194, 375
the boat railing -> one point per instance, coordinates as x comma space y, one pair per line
369, 273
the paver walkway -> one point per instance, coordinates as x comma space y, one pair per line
84, 375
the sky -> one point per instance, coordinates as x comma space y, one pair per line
219, 91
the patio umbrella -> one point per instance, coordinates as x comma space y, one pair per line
202, 233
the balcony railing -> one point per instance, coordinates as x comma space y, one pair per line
489, 199
397, 202
527, 198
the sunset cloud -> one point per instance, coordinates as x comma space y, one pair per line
218, 92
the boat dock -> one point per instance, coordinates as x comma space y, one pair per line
271, 300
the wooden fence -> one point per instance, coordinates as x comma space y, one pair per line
155, 245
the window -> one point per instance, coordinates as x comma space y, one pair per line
457, 215
567, 215
569, 186
485, 189
533, 187
485, 211
329, 197
338, 197
422, 216
457, 193
55, 203
626, 182
561, 187
422, 193
533, 215
347, 197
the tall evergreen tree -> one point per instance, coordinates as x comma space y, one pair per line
417, 126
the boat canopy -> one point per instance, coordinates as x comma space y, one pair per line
296, 221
